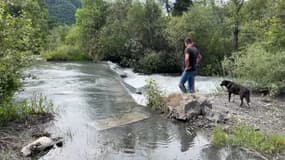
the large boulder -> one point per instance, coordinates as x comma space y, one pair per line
185, 107
41, 144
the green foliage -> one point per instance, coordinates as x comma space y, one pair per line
181, 6
63, 45
64, 53
37, 105
154, 96
247, 137
219, 137
255, 61
62, 12
203, 25
160, 62
139, 35
114, 36
90, 19
17, 43
34, 11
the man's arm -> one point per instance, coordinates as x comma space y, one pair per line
199, 57
186, 61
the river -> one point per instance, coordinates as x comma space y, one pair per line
84, 93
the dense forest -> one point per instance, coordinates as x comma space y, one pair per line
62, 12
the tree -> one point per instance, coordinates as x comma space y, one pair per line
62, 12
236, 8
36, 11
16, 37
90, 19
146, 24
181, 6
205, 28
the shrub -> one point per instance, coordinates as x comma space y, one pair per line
161, 62
154, 96
256, 64
64, 53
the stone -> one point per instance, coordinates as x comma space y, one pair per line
185, 107
122, 74
41, 144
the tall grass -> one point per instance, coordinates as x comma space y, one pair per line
11, 111
65, 53
245, 136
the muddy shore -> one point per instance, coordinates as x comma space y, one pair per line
14, 135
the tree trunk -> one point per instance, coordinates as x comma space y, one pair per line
167, 6
236, 36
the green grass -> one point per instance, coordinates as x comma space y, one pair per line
37, 105
219, 137
245, 136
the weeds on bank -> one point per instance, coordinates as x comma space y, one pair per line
245, 136
154, 96
10, 111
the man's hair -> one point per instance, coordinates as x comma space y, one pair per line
188, 40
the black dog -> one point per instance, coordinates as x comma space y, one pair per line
234, 88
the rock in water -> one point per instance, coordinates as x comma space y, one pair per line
39, 145
187, 106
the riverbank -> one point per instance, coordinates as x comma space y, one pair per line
22, 120
264, 114
16, 134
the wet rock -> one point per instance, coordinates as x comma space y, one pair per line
141, 90
186, 107
40, 145
122, 74
116, 68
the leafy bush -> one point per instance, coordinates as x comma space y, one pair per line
154, 96
64, 44
161, 62
256, 64
10, 111
16, 45
247, 137
65, 52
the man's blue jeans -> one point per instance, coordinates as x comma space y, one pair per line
190, 77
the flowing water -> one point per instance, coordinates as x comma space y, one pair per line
84, 93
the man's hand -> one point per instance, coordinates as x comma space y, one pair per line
187, 68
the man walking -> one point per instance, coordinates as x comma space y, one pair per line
191, 58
